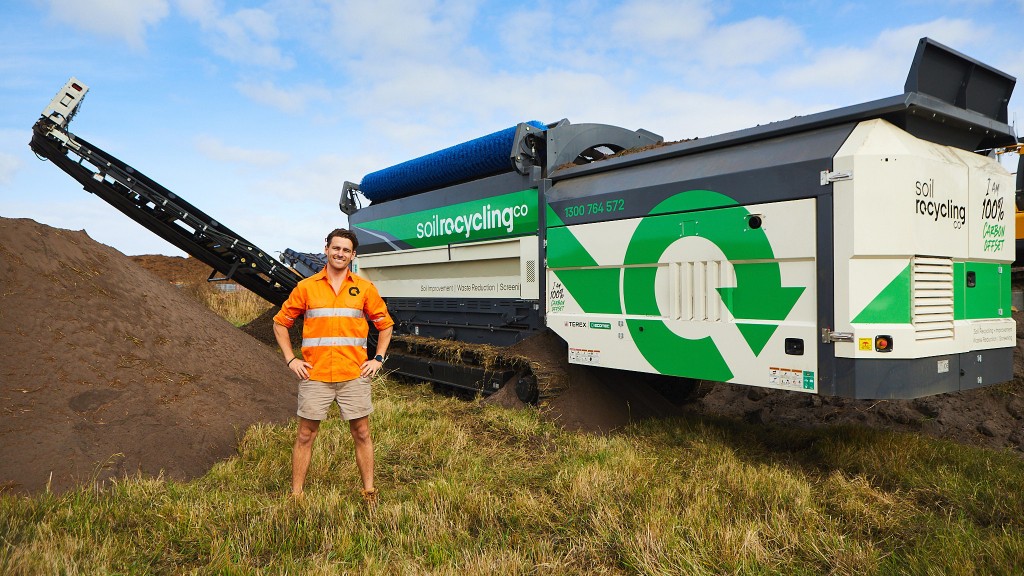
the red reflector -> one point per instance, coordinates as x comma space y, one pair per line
76, 86
882, 343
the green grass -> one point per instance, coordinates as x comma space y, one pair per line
473, 489
238, 307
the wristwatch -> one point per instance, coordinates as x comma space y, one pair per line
379, 358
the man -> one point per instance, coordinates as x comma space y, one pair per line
335, 304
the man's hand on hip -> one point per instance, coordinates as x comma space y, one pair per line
370, 367
301, 368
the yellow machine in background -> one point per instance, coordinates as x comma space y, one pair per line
1020, 230
1019, 197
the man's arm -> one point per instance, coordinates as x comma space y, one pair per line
297, 365
371, 366
383, 340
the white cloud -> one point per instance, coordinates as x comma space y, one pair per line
89, 213
247, 36
677, 114
750, 42
519, 26
215, 149
413, 66
879, 69
398, 126
293, 207
9, 165
125, 21
199, 10
373, 35
660, 23
671, 34
956, 33
318, 179
294, 100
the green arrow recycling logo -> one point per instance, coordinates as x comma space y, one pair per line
759, 302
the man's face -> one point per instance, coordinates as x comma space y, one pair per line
339, 253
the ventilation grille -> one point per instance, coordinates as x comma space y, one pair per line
694, 289
932, 286
531, 271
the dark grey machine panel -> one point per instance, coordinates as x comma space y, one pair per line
904, 379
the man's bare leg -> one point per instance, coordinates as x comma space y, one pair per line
360, 428
302, 452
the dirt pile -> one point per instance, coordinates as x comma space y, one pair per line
174, 269
992, 416
262, 329
109, 369
588, 399
599, 400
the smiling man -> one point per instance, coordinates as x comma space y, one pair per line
335, 305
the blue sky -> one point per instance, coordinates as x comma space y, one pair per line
256, 112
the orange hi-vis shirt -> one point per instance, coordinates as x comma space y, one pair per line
334, 325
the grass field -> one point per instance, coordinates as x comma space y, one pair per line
475, 489
238, 307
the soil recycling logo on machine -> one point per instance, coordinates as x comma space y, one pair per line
485, 218
758, 302
928, 206
512, 214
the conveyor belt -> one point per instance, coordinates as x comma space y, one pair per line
304, 263
164, 213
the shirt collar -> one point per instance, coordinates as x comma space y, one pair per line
322, 275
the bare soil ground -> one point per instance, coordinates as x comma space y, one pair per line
992, 417
109, 368
174, 269
599, 400
262, 329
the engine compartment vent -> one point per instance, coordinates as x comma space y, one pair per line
932, 288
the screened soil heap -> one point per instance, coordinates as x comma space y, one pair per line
110, 368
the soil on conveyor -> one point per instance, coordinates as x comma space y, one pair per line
109, 369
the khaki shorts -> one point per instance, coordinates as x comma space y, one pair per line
352, 396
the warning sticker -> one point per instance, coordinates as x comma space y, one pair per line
786, 377
864, 344
584, 356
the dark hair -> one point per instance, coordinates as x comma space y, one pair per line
344, 233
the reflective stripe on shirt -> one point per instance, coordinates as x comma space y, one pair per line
325, 312
333, 341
